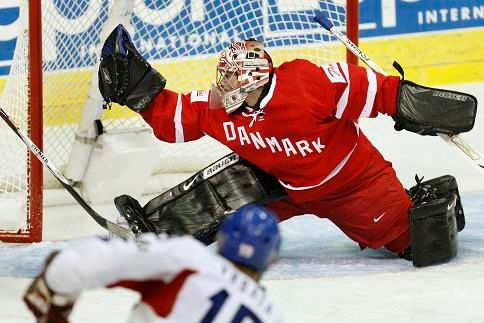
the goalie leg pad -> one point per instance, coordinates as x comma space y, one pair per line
435, 188
222, 188
200, 204
132, 211
429, 111
198, 209
433, 231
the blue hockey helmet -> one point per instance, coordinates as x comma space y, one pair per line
250, 237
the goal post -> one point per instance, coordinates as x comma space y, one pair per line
51, 89
352, 31
21, 192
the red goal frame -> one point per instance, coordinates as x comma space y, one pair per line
33, 232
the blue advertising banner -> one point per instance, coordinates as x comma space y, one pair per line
392, 17
8, 35
195, 34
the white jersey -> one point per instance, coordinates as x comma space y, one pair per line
179, 280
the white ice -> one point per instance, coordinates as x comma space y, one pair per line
322, 276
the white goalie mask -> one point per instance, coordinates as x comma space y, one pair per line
242, 67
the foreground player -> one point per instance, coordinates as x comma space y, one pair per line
298, 122
178, 278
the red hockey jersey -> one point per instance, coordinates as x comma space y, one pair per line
305, 132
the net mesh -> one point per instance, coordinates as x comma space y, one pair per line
14, 162
180, 38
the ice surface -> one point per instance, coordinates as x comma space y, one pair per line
322, 275
312, 248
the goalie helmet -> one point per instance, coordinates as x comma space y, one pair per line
250, 237
242, 67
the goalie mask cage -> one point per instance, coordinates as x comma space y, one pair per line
54, 98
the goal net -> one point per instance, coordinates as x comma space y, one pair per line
181, 38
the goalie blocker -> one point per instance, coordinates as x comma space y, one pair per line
430, 111
200, 204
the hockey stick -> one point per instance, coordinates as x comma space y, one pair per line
471, 155
105, 223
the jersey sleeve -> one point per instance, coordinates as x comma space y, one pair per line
99, 263
176, 117
360, 92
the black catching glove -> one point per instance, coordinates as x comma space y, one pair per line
125, 77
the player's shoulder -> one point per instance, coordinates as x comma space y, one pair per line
176, 242
297, 64
330, 71
183, 250
300, 70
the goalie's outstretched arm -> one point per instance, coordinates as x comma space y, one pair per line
405, 119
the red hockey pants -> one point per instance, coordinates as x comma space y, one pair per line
372, 210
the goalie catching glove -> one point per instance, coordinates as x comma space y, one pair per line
429, 111
125, 77
46, 305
